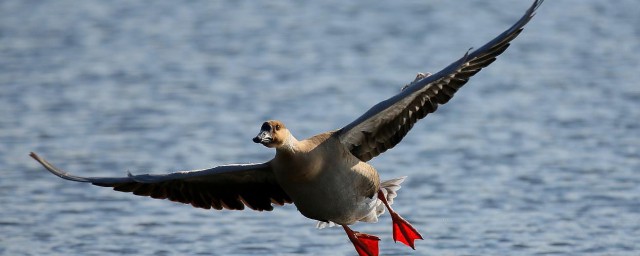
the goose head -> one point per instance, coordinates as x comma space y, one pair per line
273, 134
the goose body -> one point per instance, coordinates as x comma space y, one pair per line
325, 181
326, 176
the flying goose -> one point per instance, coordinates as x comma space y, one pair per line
326, 176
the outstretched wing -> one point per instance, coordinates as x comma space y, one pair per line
228, 186
385, 124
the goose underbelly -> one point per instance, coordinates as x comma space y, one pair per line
341, 195
341, 204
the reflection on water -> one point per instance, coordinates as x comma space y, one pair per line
539, 154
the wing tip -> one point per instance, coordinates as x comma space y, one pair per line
534, 7
56, 171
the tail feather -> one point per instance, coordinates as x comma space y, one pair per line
390, 190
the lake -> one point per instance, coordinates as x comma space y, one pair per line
539, 154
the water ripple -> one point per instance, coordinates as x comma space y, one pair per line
538, 155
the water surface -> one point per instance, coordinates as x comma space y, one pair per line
538, 155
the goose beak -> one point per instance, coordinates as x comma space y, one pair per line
263, 137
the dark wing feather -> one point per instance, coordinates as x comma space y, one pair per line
385, 124
222, 187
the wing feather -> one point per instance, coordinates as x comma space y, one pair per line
222, 187
385, 124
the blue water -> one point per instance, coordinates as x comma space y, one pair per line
538, 155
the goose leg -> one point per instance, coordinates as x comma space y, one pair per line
366, 245
402, 229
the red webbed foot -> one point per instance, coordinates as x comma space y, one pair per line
402, 229
365, 244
